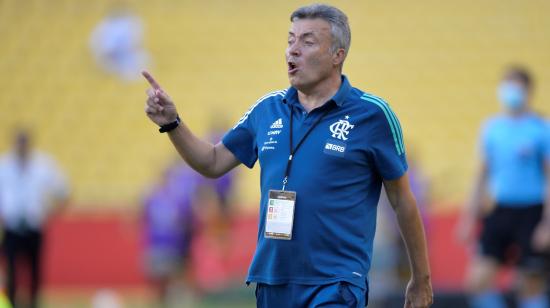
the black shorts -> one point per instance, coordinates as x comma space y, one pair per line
507, 235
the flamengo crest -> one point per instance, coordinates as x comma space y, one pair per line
341, 129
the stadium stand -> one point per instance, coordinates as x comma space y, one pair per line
436, 62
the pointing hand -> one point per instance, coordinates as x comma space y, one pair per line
159, 106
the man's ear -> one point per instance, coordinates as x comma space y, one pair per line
338, 57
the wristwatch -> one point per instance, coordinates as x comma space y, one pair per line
170, 126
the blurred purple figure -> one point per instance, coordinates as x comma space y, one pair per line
420, 187
169, 226
222, 187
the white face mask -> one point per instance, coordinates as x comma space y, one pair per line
511, 95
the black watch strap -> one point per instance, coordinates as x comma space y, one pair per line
170, 126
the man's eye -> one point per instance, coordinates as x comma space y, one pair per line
309, 43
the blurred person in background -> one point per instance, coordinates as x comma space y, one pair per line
218, 191
222, 187
32, 188
390, 266
515, 163
215, 244
117, 44
169, 225
319, 255
420, 186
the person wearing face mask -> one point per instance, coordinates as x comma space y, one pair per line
515, 163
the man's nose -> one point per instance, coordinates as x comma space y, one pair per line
293, 50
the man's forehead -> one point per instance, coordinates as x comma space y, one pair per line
309, 26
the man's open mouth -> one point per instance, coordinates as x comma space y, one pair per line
292, 67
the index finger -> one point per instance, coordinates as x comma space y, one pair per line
151, 80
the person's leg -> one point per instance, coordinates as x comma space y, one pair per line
161, 285
34, 253
532, 291
496, 237
532, 264
158, 272
480, 282
10, 251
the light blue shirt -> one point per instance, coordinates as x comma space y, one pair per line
515, 150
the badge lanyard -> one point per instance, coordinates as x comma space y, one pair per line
294, 150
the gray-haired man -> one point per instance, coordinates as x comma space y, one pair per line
325, 148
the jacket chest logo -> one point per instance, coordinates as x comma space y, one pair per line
340, 129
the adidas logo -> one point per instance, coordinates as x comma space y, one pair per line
277, 124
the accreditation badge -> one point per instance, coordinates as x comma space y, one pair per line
280, 214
